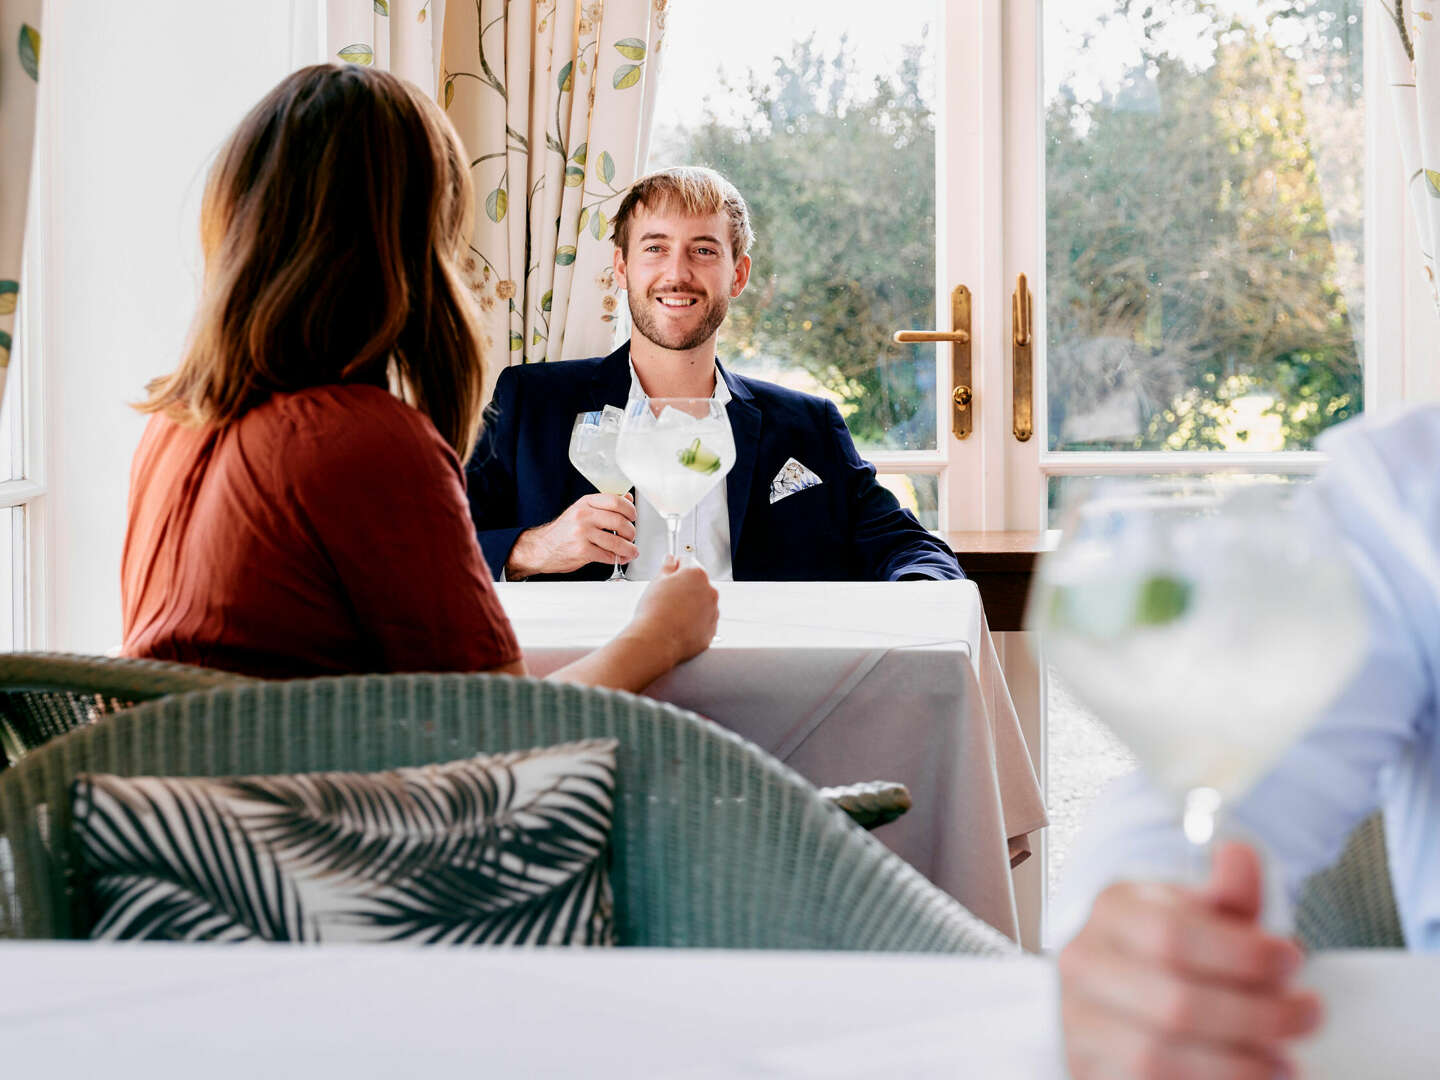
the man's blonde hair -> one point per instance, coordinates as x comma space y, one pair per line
692, 189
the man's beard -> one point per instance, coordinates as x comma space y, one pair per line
643, 316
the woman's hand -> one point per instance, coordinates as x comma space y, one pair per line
674, 620
677, 613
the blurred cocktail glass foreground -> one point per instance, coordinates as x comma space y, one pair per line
1207, 626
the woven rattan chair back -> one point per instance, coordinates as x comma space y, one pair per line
716, 844
1352, 904
44, 695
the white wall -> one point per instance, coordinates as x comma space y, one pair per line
139, 98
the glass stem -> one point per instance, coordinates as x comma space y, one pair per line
1202, 805
672, 537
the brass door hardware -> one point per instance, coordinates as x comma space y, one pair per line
962, 395
1023, 368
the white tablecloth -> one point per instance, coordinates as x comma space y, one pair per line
847, 681
73, 1009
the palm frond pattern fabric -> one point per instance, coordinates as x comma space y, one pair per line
503, 849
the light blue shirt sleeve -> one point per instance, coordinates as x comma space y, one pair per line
1374, 746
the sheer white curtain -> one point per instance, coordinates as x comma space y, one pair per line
1411, 44
19, 77
554, 101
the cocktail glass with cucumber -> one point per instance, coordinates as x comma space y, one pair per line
675, 450
1207, 624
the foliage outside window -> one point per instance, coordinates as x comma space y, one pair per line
1204, 195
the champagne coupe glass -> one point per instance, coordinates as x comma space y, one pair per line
592, 452
1206, 625
675, 450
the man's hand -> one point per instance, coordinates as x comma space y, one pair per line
595, 528
1165, 981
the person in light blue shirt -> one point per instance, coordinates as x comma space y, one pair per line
1162, 980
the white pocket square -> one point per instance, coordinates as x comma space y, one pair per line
791, 478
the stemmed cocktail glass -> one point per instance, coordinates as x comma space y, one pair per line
675, 450
592, 452
1206, 626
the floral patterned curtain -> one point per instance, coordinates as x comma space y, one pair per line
1411, 44
19, 78
400, 36
554, 100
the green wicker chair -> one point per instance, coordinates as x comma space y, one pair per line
715, 844
1352, 905
43, 695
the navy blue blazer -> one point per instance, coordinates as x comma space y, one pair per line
847, 528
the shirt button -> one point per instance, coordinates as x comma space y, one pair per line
689, 547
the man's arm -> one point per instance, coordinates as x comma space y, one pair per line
490, 484
596, 528
890, 544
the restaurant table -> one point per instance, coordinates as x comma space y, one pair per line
847, 681
76, 1009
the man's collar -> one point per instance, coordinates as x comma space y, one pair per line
721, 393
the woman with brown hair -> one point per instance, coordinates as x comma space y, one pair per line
297, 505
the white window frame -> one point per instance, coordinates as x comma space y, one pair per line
989, 157
25, 396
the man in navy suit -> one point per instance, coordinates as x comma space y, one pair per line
799, 504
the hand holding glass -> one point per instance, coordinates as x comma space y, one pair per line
592, 452
1206, 630
675, 450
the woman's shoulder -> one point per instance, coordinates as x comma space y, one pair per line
343, 438
332, 425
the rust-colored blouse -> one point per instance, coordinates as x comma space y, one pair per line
324, 532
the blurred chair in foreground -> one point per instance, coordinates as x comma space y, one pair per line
1352, 904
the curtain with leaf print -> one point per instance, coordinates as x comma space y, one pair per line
19, 80
1411, 44
553, 100
399, 36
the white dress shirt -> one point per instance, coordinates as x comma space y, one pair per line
1378, 745
704, 532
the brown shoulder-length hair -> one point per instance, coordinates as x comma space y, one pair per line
332, 226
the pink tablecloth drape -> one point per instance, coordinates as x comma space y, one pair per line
847, 681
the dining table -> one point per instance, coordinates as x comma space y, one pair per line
161, 1011
844, 682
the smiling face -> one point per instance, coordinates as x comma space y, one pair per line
681, 274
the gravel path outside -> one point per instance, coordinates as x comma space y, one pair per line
1083, 758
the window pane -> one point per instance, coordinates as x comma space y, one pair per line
830, 136
1205, 181
918, 492
1068, 491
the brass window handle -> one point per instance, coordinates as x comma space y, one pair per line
903, 337
962, 396
1022, 332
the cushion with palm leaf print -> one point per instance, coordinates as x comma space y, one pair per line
505, 848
